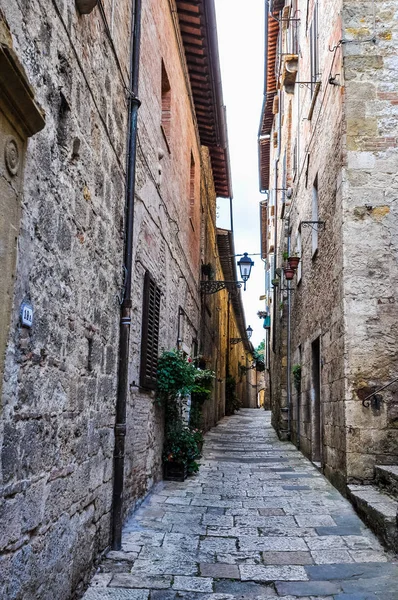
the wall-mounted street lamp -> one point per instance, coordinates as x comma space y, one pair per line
245, 266
249, 333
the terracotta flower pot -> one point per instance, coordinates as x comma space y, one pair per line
293, 261
289, 273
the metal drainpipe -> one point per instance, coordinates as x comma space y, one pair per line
276, 175
125, 313
288, 365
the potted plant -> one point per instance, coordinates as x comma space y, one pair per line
180, 452
178, 377
208, 270
289, 272
293, 261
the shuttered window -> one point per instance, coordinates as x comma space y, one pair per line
150, 333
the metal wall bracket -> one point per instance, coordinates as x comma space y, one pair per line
316, 225
212, 287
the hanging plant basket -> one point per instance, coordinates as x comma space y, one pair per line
293, 262
173, 471
289, 273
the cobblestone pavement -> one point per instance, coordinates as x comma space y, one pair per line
257, 522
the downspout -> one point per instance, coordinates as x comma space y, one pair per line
276, 176
125, 313
288, 362
228, 335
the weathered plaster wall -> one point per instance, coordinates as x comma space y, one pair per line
370, 232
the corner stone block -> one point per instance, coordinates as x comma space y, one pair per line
361, 160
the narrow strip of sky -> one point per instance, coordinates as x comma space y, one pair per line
241, 44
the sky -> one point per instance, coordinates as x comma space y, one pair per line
241, 48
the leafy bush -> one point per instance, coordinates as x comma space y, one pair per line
232, 402
181, 446
296, 370
177, 378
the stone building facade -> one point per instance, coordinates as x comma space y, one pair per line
328, 161
64, 122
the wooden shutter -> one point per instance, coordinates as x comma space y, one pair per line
150, 333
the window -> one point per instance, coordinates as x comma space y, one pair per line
150, 333
314, 48
315, 217
292, 32
192, 188
166, 106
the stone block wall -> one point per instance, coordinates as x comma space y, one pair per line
345, 139
311, 129
59, 388
60, 377
370, 232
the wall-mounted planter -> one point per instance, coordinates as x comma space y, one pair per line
289, 273
85, 7
293, 261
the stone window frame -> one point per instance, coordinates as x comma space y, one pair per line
150, 332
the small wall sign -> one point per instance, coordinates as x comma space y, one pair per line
26, 314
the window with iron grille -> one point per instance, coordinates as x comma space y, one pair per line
150, 333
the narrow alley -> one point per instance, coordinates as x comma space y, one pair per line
258, 521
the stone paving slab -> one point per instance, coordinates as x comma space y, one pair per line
258, 522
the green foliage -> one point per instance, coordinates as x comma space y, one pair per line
177, 378
232, 402
200, 393
258, 356
285, 255
181, 446
203, 384
208, 270
296, 370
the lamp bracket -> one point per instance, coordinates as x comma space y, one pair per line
316, 225
212, 287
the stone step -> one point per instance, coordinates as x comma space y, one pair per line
379, 512
386, 477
